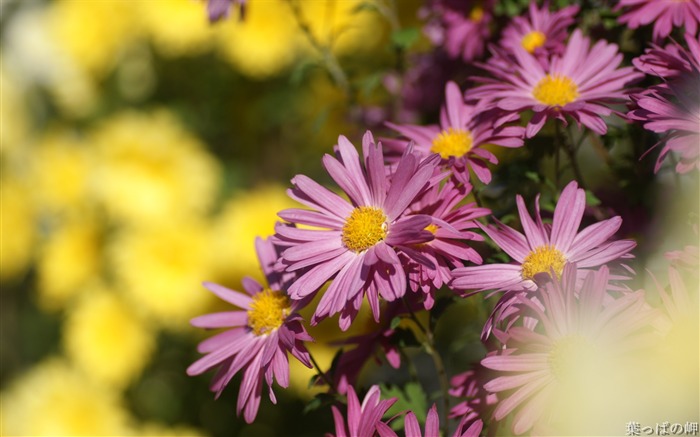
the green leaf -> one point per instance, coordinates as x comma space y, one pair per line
404, 38
411, 397
591, 199
395, 322
318, 401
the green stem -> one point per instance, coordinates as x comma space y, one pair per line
321, 374
571, 151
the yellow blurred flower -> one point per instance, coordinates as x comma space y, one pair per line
151, 169
265, 43
107, 339
13, 117
177, 27
17, 227
93, 33
245, 216
68, 261
161, 268
60, 170
55, 399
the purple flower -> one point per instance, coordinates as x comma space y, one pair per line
219, 9
261, 333
545, 248
466, 27
363, 420
459, 138
452, 221
560, 359
541, 32
355, 242
664, 14
581, 83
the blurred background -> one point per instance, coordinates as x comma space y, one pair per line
143, 149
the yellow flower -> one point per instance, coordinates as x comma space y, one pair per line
161, 267
245, 216
265, 43
69, 259
151, 169
177, 27
54, 399
13, 117
107, 339
16, 227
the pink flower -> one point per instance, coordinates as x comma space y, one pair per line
581, 83
452, 222
544, 249
467, 27
664, 14
541, 32
219, 9
355, 242
459, 138
363, 420
672, 107
578, 334
432, 426
261, 333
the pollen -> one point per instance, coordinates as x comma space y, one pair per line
268, 311
544, 259
532, 40
432, 228
557, 90
365, 227
452, 142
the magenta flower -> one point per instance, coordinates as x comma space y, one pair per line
363, 420
432, 426
544, 249
461, 135
672, 108
355, 242
579, 332
261, 333
219, 9
541, 33
581, 83
452, 222
664, 14
466, 28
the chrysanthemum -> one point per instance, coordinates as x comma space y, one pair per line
466, 28
432, 426
459, 137
541, 32
354, 242
452, 223
363, 420
672, 108
664, 14
569, 355
545, 248
581, 83
262, 332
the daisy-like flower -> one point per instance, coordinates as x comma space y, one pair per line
259, 337
541, 32
459, 137
363, 420
466, 28
545, 248
451, 224
664, 14
575, 345
581, 83
432, 426
672, 108
355, 241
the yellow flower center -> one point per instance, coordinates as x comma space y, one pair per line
452, 142
570, 357
476, 14
555, 90
365, 227
544, 259
432, 228
533, 40
268, 311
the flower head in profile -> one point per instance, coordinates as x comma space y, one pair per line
258, 337
569, 355
544, 249
460, 136
672, 108
355, 241
581, 83
541, 32
363, 420
664, 14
